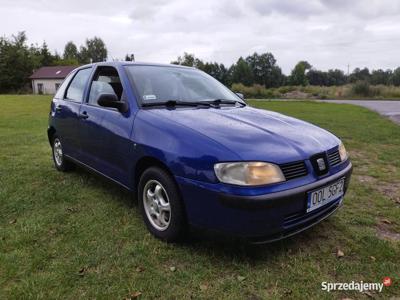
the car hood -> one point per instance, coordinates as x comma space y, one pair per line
254, 134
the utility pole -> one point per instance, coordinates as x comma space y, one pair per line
348, 69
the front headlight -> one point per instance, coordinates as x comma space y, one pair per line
342, 152
248, 173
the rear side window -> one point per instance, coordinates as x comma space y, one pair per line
61, 90
77, 87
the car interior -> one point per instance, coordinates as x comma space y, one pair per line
106, 80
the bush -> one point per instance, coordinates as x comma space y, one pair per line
361, 88
390, 92
286, 89
255, 91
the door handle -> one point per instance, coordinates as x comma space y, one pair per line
58, 108
84, 115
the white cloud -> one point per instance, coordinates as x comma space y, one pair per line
327, 33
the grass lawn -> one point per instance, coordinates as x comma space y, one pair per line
76, 235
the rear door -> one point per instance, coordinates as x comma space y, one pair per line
67, 109
105, 132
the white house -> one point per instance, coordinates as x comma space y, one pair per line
47, 80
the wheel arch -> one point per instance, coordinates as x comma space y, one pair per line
51, 131
146, 162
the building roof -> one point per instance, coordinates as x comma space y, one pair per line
56, 72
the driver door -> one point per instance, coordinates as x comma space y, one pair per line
105, 132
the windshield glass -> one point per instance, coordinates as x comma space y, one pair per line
160, 84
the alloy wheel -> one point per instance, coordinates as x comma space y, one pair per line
156, 205
57, 152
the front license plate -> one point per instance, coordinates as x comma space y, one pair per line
325, 195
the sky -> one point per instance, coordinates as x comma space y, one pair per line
327, 33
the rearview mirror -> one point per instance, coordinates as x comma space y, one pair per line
241, 96
111, 100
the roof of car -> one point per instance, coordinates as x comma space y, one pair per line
127, 63
53, 72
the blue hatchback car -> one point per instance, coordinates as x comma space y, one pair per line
195, 153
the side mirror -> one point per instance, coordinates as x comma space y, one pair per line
111, 100
241, 96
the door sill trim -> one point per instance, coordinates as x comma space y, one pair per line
97, 172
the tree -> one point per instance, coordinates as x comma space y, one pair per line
241, 72
298, 75
264, 69
380, 76
130, 57
188, 60
336, 77
359, 75
332, 77
47, 58
395, 78
16, 63
41, 56
224, 75
218, 71
94, 51
316, 77
66, 62
70, 51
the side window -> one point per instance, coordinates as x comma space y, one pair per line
77, 86
105, 81
61, 90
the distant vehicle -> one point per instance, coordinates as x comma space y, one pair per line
195, 153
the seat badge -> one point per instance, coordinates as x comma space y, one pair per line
321, 164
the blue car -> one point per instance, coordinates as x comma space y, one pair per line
195, 153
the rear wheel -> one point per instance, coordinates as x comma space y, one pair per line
59, 159
160, 204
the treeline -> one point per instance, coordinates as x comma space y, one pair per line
254, 69
262, 69
18, 60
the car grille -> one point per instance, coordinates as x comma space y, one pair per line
334, 158
294, 170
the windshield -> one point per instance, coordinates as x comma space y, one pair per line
159, 84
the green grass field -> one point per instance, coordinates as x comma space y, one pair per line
75, 235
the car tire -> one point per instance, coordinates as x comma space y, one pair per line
60, 162
161, 205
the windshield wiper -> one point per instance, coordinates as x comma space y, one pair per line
173, 103
205, 103
218, 102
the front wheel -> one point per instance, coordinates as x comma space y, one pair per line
160, 204
60, 162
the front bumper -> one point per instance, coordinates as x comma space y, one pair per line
261, 218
